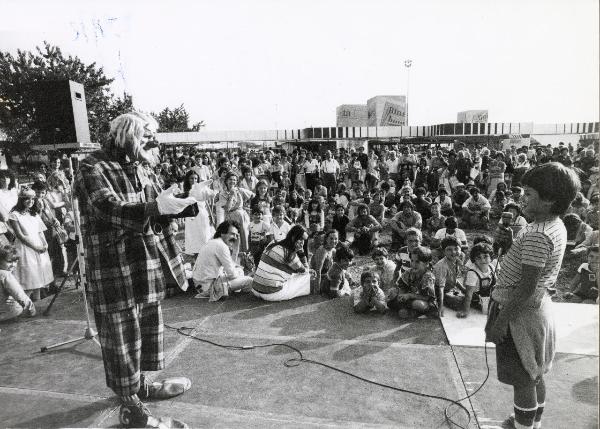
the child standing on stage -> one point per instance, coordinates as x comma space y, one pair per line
520, 318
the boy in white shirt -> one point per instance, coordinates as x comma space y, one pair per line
279, 227
451, 230
260, 234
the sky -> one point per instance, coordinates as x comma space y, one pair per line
275, 64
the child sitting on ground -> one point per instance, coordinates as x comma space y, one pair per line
436, 221
366, 230
480, 278
13, 299
340, 221
497, 204
415, 293
336, 282
369, 295
584, 285
577, 229
518, 222
385, 268
592, 217
449, 275
376, 206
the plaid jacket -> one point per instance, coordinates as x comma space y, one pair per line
127, 257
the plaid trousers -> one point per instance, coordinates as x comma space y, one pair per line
132, 341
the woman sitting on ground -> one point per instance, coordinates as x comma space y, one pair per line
283, 272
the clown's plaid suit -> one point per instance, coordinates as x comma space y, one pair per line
127, 259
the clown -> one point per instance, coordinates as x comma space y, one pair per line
130, 254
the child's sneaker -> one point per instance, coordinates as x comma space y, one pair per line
509, 423
138, 416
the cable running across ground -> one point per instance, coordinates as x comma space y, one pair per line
294, 362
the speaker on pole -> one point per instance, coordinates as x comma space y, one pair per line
61, 112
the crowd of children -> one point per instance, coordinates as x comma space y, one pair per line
422, 201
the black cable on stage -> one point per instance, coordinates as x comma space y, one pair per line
293, 362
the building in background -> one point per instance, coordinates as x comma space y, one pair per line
351, 115
380, 111
386, 111
468, 116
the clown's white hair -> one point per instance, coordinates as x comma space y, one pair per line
130, 127
127, 130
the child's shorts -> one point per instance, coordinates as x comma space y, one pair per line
509, 368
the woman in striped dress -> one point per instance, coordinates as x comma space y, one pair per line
283, 272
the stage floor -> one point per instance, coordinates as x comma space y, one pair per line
253, 389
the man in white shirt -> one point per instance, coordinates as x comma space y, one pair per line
214, 260
201, 170
311, 170
330, 169
392, 166
476, 210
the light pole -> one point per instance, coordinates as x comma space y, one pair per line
407, 64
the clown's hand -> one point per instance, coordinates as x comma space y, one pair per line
168, 204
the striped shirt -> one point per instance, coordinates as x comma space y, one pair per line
539, 245
272, 271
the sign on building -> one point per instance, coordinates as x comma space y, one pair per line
468, 116
351, 115
387, 110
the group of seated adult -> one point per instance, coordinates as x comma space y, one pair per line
282, 272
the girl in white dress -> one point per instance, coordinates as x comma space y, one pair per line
34, 270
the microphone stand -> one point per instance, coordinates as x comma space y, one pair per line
89, 333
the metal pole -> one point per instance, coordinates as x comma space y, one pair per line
407, 64
90, 333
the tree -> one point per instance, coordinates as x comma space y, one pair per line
18, 75
175, 120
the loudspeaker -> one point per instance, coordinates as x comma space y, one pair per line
61, 112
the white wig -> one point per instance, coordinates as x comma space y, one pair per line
130, 127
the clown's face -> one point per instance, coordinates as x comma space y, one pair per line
144, 148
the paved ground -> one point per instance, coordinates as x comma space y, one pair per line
65, 387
